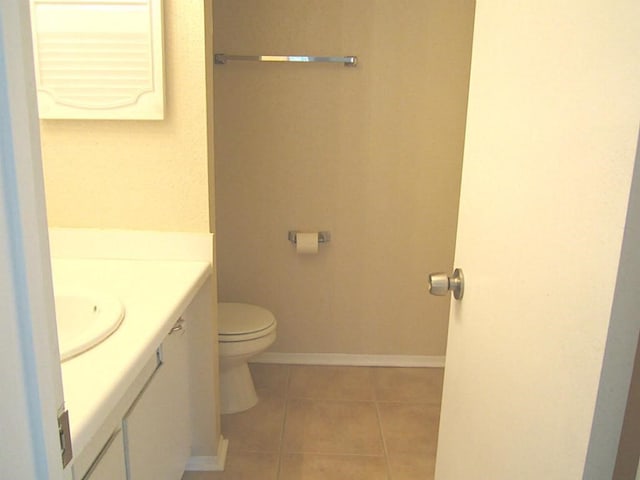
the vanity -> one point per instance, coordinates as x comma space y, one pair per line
142, 401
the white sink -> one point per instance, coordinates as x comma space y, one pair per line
85, 319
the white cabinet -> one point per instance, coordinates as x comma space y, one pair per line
156, 427
110, 462
167, 415
98, 59
151, 437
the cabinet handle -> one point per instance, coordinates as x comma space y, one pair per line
178, 327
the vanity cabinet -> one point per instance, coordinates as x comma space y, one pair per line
142, 404
156, 427
151, 436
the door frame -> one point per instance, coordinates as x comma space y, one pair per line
31, 374
614, 445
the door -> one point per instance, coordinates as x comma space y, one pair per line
30, 369
552, 126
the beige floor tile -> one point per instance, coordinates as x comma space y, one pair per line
331, 383
409, 428
270, 378
332, 427
242, 466
258, 429
423, 385
202, 476
330, 467
412, 466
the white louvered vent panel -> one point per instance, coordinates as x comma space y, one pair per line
93, 71
99, 58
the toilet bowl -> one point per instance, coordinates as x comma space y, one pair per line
243, 331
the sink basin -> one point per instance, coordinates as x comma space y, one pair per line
84, 320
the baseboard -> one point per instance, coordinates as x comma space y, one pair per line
210, 464
347, 359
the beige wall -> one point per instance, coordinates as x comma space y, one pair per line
146, 175
149, 175
373, 154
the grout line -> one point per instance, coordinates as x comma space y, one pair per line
337, 454
334, 399
408, 402
284, 422
384, 442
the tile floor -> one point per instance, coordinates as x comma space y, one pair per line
320, 422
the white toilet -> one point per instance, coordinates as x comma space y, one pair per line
243, 331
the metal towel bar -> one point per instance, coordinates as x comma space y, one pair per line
222, 58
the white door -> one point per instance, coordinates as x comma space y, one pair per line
30, 378
554, 109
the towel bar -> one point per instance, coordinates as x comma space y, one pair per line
222, 58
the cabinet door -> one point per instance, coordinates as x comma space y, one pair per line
157, 431
76, 43
110, 463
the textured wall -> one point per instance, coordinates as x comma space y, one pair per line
372, 154
139, 174
145, 175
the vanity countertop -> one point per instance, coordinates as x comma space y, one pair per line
154, 293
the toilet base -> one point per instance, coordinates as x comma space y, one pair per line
237, 392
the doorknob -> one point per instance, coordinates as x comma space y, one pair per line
441, 283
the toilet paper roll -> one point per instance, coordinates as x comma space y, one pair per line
307, 243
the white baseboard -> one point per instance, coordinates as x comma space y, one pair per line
210, 464
347, 359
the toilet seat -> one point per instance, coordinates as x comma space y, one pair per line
240, 322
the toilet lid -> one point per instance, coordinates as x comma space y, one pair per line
243, 319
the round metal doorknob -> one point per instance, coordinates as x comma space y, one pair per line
440, 283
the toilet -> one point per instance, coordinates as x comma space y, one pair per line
243, 331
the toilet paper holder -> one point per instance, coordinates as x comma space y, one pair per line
323, 237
